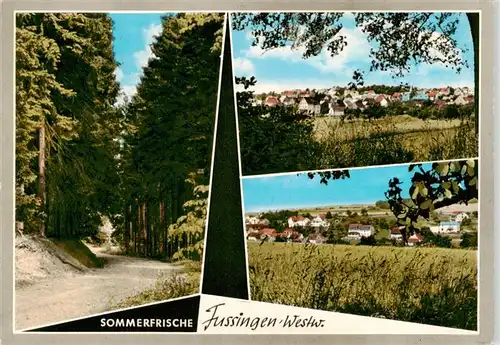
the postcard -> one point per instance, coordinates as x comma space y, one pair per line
187, 173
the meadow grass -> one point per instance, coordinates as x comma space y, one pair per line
390, 140
429, 285
168, 286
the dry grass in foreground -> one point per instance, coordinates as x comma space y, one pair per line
429, 285
169, 286
390, 141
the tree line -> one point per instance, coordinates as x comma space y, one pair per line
80, 156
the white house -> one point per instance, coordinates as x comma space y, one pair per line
332, 91
460, 100
252, 220
306, 104
449, 227
459, 92
319, 222
317, 109
382, 100
298, 221
288, 101
360, 230
335, 110
396, 233
460, 217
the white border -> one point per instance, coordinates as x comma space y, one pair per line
227, 14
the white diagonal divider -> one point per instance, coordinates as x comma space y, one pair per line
222, 315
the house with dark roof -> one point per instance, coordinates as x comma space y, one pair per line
315, 238
395, 233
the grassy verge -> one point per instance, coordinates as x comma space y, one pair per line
80, 252
168, 286
429, 285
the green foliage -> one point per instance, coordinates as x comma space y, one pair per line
444, 184
382, 204
189, 229
281, 215
368, 241
469, 240
401, 39
274, 139
73, 107
425, 285
166, 287
168, 140
135, 163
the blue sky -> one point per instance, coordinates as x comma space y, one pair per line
365, 186
283, 68
133, 33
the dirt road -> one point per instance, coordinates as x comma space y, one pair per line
82, 294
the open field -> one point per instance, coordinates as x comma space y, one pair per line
358, 128
394, 139
427, 285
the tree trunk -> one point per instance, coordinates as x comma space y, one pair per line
41, 175
162, 231
474, 30
126, 230
144, 229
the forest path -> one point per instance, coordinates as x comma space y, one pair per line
74, 295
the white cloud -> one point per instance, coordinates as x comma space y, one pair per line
127, 91
357, 50
142, 57
243, 67
118, 74
129, 81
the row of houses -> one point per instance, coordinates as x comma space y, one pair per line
318, 221
334, 105
288, 235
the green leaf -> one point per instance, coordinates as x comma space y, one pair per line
455, 166
448, 194
424, 192
473, 181
415, 193
446, 185
464, 169
471, 171
426, 204
455, 186
443, 169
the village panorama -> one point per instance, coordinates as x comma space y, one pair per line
449, 227
338, 101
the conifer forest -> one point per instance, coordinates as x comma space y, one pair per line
82, 156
